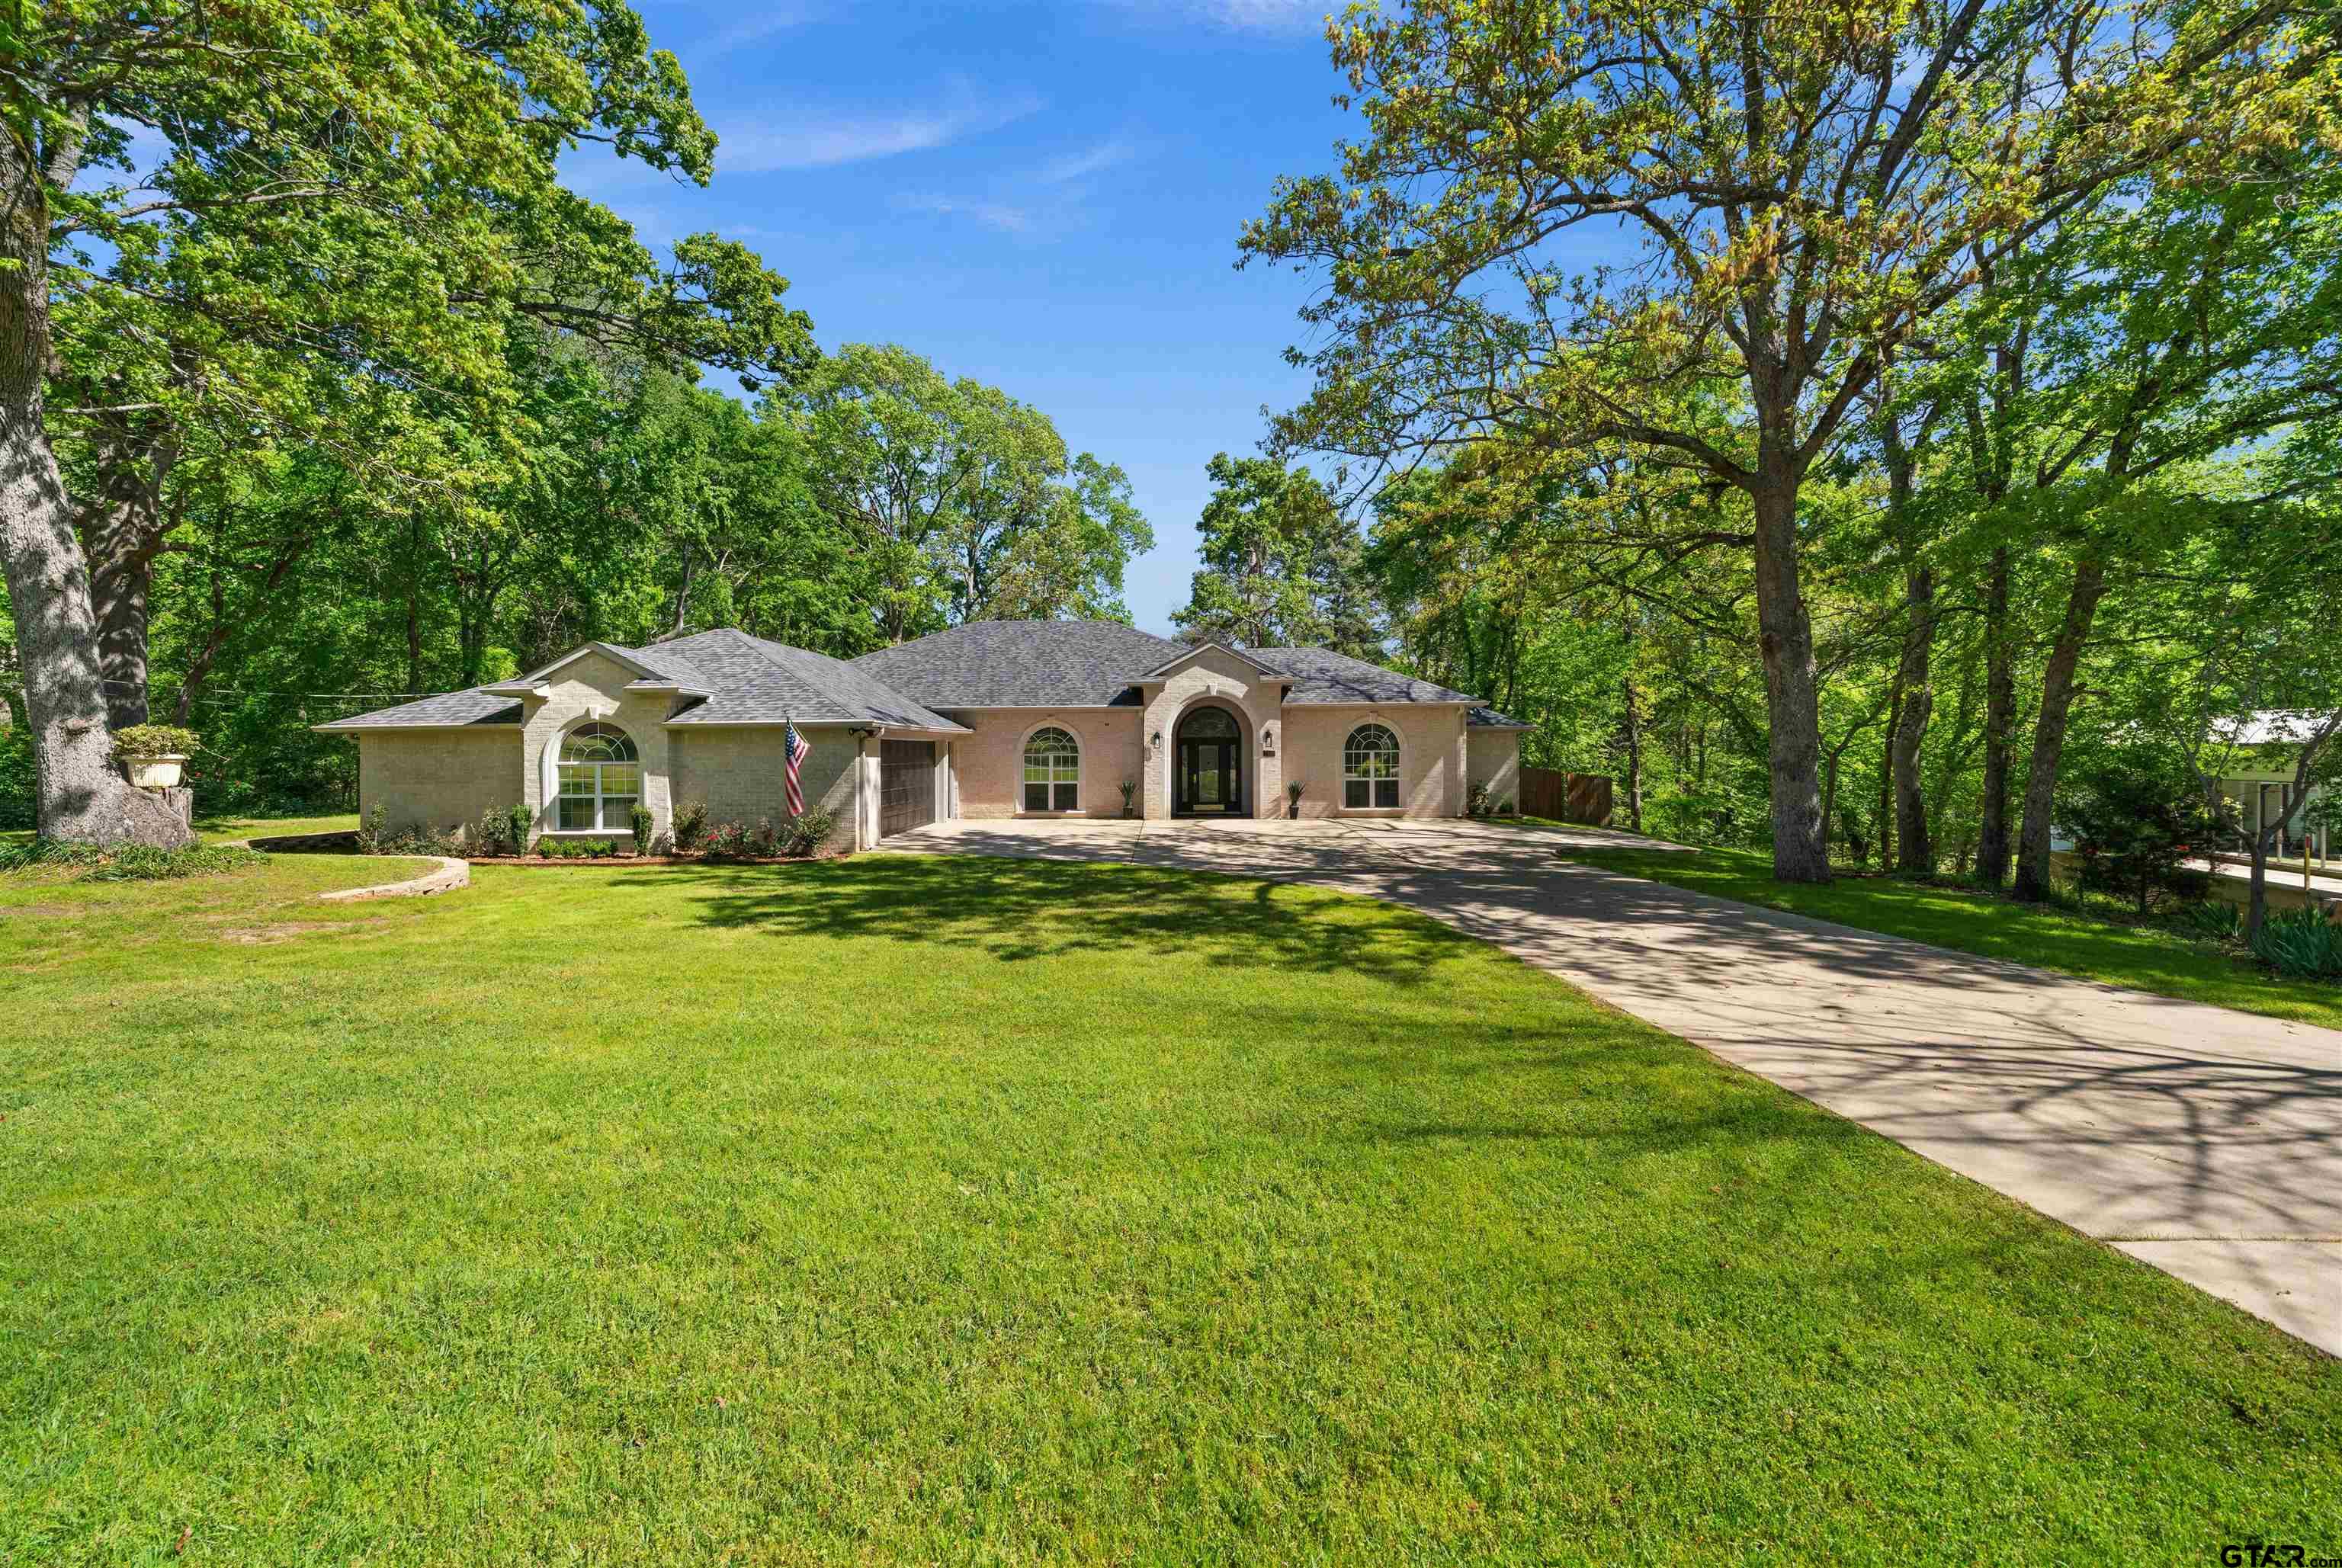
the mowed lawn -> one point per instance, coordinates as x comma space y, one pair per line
983, 1211
2143, 958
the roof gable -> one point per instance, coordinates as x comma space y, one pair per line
1321, 675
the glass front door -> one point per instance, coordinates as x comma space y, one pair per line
1207, 775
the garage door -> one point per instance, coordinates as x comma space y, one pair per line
907, 786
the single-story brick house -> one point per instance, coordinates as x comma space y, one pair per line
991, 719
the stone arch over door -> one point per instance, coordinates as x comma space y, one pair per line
1215, 760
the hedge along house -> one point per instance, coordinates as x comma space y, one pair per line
991, 719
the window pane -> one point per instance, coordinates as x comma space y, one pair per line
1354, 792
622, 779
1387, 792
1036, 797
618, 812
576, 813
576, 780
1069, 797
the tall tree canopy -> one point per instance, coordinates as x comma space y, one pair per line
1281, 567
1812, 185
350, 202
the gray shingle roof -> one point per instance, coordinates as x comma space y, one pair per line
753, 680
1322, 675
1487, 718
476, 706
982, 664
1024, 664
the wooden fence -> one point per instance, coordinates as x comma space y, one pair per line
1565, 797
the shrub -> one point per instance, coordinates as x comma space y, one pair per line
1504, 807
766, 839
1475, 800
2209, 918
370, 830
639, 819
599, 848
551, 848
728, 841
130, 862
154, 741
663, 845
806, 832
487, 834
417, 839
2300, 945
518, 820
690, 824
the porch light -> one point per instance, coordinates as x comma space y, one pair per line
1157, 741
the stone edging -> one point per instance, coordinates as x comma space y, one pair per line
451, 874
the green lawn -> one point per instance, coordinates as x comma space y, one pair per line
2143, 958
981, 1210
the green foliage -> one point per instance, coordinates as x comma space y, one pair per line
518, 820
804, 834
139, 741
129, 862
2136, 813
19, 786
1476, 802
2213, 919
1281, 565
2300, 945
376, 838
690, 824
641, 822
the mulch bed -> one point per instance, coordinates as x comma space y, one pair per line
346, 843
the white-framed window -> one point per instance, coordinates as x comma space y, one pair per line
600, 780
1370, 768
1053, 771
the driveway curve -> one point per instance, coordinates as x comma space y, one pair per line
2204, 1142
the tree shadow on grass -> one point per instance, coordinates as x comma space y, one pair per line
1018, 910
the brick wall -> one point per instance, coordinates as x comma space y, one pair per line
990, 763
439, 778
738, 774
1431, 756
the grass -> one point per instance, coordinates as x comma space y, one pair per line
982, 1211
2141, 957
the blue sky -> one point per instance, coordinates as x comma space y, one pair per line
1043, 197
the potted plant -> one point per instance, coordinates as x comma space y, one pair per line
155, 756
1129, 789
1293, 793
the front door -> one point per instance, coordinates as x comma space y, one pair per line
1211, 782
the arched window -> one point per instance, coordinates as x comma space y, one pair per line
1370, 768
600, 780
1053, 771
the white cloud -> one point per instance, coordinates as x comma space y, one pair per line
1001, 215
1091, 160
821, 144
1246, 16
757, 29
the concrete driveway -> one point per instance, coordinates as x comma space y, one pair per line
2204, 1142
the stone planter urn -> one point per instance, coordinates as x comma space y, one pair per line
159, 772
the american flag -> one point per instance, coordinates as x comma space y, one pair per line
795, 747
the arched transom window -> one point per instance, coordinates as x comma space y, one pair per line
601, 779
1370, 768
1053, 771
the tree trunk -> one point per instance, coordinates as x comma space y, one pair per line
1633, 758
1786, 637
1999, 725
2049, 730
1918, 851
122, 535
1887, 773
82, 794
